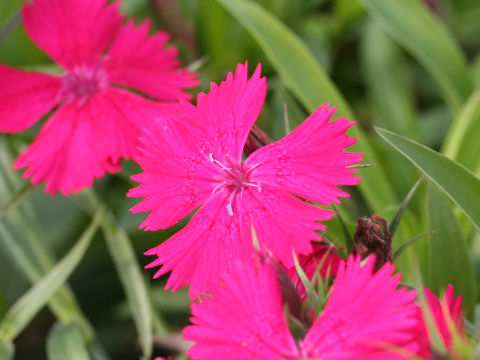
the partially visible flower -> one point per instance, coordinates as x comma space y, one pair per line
197, 162
449, 309
97, 121
323, 260
366, 317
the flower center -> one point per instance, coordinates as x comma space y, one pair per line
83, 82
235, 179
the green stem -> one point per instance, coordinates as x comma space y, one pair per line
19, 195
128, 269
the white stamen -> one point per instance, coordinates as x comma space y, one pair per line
215, 161
253, 168
230, 203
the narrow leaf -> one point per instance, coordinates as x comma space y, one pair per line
23, 311
290, 57
17, 197
429, 41
133, 283
348, 238
459, 183
128, 270
97, 352
402, 248
306, 79
461, 142
10, 26
65, 341
6, 351
403, 206
449, 260
62, 303
387, 77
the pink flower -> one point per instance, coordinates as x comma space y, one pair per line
450, 308
97, 121
366, 317
198, 163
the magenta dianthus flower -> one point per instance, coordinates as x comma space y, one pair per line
449, 309
366, 317
195, 160
98, 121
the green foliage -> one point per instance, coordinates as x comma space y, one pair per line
412, 25
461, 142
447, 174
22, 312
126, 263
6, 351
449, 260
65, 341
396, 64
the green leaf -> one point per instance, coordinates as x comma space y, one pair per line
347, 237
61, 304
388, 83
8, 8
65, 341
23, 311
19, 195
10, 26
459, 183
403, 206
97, 352
449, 260
290, 57
6, 351
390, 93
461, 142
25, 248
133, 283
310, 84
475, 70
404, 246
128, 270
415, 28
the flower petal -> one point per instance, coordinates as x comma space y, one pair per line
213, 238
283, 223
176, 175
82, 141
365, 316
223, 117
143, 63
203, 249
72, 32
243, 319
450, 307
25, 97
310, 161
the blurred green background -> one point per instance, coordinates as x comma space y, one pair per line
412, 67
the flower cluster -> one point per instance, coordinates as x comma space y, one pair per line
122, 96
366, 317
193, 158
